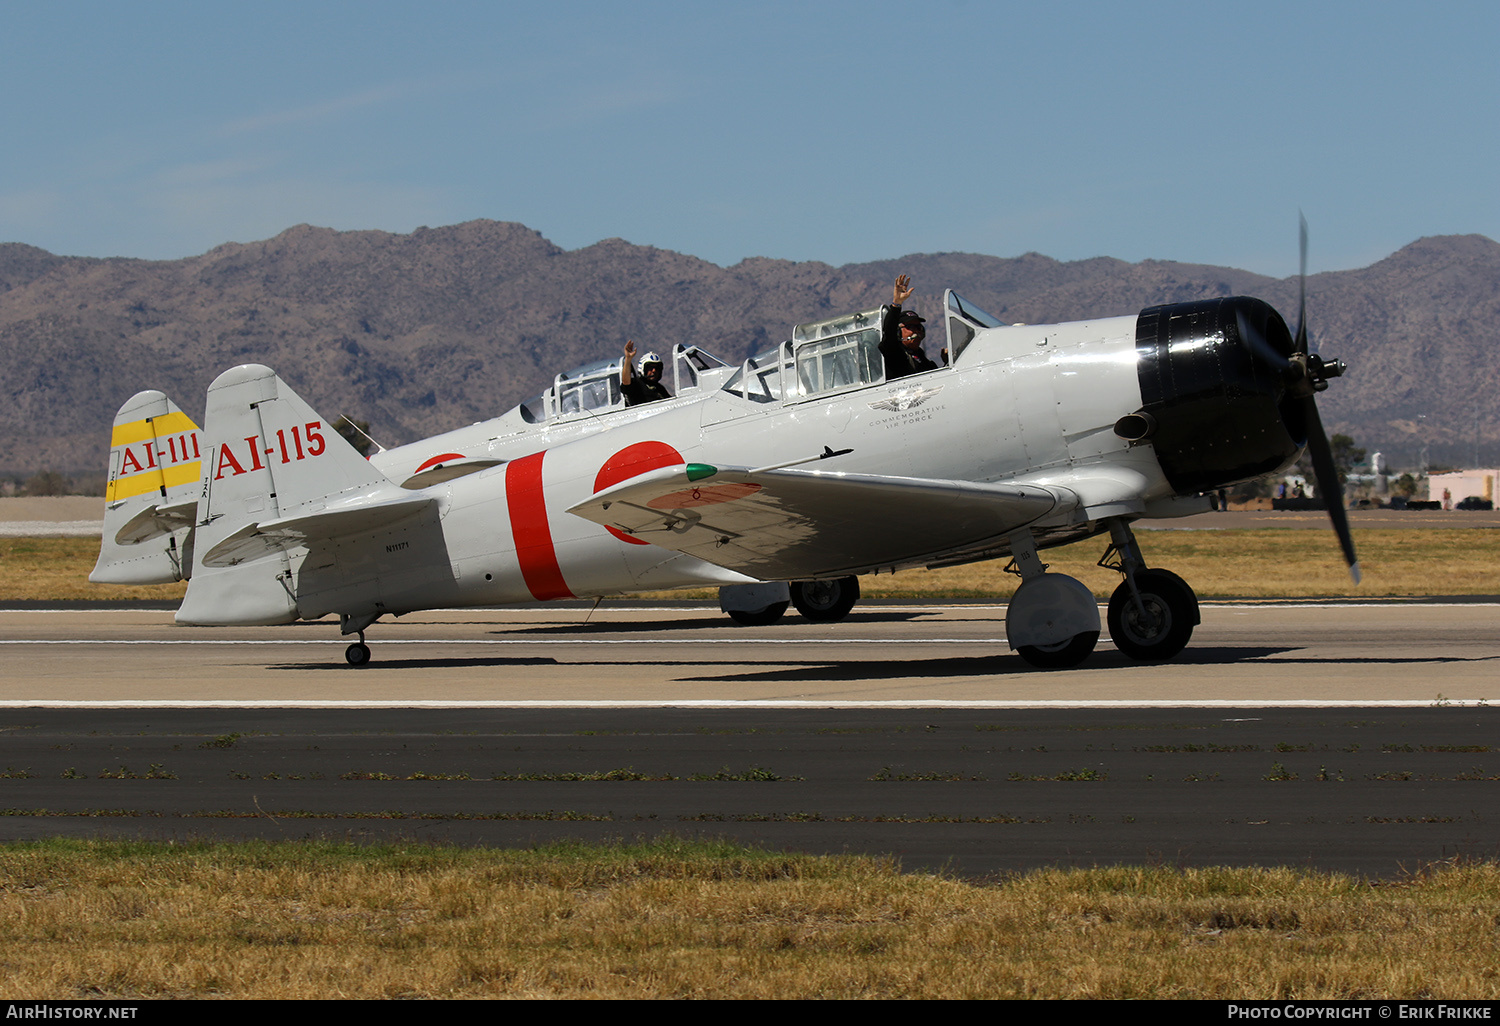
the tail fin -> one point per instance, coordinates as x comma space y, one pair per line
276, 477
155, 459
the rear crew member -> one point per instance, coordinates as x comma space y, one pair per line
648, 387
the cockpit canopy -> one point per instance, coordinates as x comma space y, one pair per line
964, 320
838, 353
842, 353
594, 388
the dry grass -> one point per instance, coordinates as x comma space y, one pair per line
1257, 564
1218, 564
671, 919
57, 570
1270, 563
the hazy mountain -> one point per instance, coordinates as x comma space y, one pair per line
423, 332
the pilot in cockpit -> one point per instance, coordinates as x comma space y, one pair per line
648, 387
902, 334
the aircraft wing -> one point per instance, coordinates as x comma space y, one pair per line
790, 524
266, 536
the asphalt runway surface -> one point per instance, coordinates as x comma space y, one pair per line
1358, 738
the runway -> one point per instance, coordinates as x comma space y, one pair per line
1355, 738
882, 655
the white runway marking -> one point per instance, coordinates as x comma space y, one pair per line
751, 703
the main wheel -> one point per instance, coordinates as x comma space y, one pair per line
1163, 628
357, 654
1061, 655
758, 617
825, 601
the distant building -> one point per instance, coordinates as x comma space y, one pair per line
1452, 488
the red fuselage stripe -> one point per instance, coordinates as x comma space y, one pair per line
528, 524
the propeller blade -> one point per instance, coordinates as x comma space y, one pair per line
1329, 489
1299, 343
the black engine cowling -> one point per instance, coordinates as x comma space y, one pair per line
1213, 377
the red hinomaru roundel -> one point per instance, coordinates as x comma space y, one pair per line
632, 461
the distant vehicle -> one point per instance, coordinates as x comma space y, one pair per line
1474, 502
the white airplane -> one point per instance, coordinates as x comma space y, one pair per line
777, 482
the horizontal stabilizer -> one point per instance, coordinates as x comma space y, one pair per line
258, 539
789, 524
156, 520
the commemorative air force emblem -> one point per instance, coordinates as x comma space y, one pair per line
906, 398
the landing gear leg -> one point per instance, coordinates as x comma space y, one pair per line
1052, 621
1153, 612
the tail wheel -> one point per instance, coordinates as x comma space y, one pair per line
825, 601
758, 617
1162, 628
1062, 655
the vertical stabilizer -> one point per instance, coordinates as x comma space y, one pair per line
155, 461
274, 472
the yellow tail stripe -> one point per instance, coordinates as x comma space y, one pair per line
151, 480
140, 430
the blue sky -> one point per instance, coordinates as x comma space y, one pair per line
805, 131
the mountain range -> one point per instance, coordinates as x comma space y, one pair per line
427, 331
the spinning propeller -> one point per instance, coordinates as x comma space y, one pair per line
1308, 374
1305, 374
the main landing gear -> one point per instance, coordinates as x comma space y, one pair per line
754, 605
763, 617
826, 601
1153, 612
1053, 621
760, 605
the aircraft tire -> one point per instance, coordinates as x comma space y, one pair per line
758, 617
357, 654
1063, 655
825, 601
1172, 612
